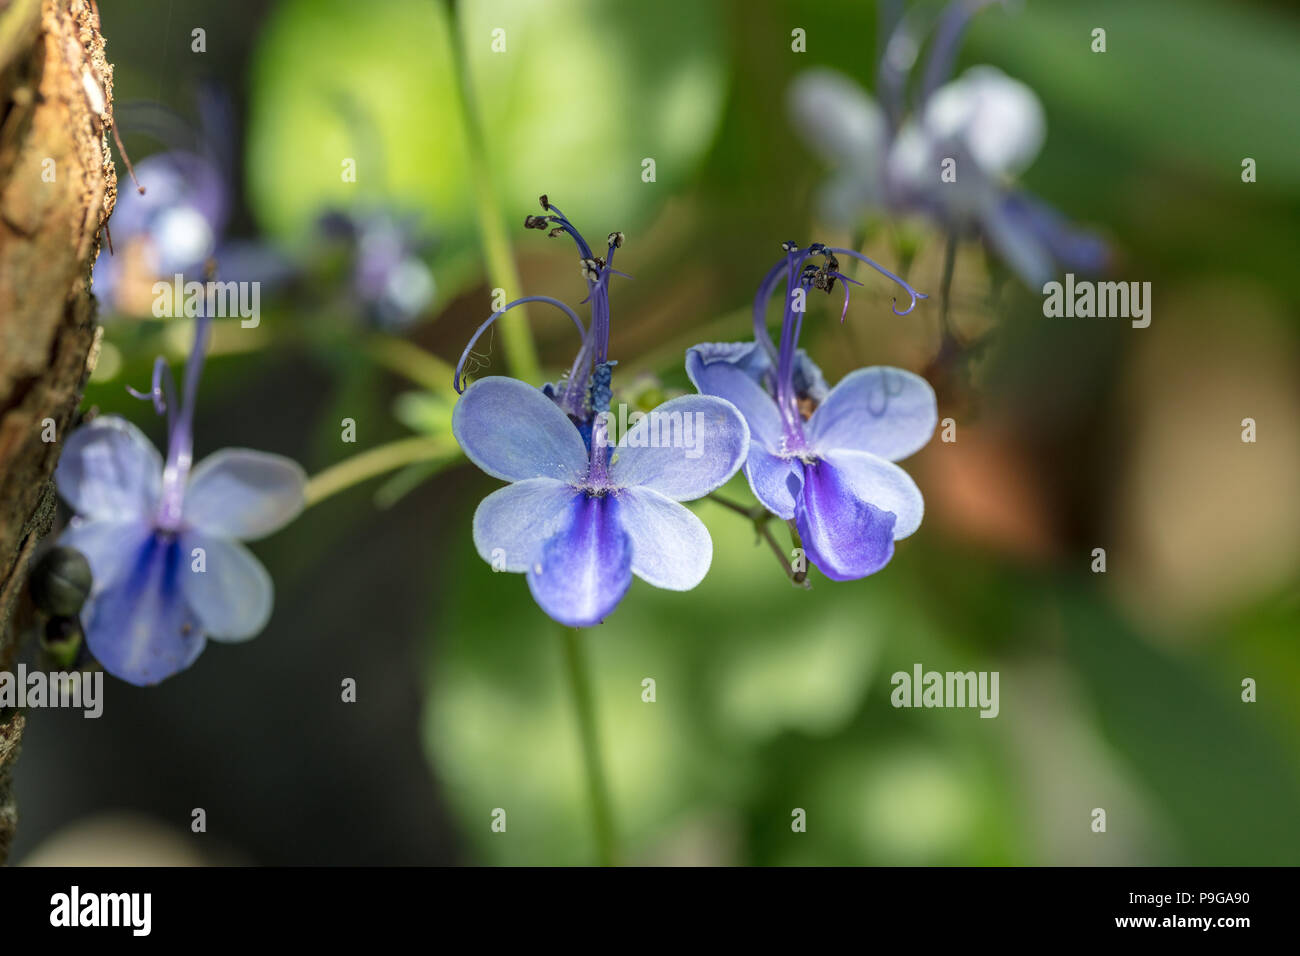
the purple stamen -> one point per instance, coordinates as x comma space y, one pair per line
464, 356
885, 272
180, 437
943, 50
796, 277
162, 391
594, 351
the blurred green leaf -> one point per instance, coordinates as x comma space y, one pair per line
585, 90
1224, 781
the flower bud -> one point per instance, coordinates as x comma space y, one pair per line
60, 581
62, 641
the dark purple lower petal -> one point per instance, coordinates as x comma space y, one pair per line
844, 536
585, 569
1074, 250
141, 628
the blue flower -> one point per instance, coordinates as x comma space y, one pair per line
821, 457
390, 283
162, 538
177, 225
989, 124
586, 510
173, 228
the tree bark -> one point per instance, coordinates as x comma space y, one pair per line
57, 188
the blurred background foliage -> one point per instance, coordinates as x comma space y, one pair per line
1120, 691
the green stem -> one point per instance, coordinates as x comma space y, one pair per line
521, 353
585, 708
945, 291
371, 463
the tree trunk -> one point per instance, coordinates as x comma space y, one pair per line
57, 187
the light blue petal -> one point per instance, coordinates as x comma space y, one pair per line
885, 411
232, 596
110, 470
733, 381
512, 431
110, 547
244, 494
141, 628
512, 523
671, 548
838, 119
584, 569
776, 482
749, 357
844, 536
683, 449
883, 484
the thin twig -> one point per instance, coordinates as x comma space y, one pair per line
945, 291
760, 516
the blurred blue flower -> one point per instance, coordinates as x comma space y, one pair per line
823, 457
885, 160
389, 281
584, 512
173, 228
177, 225
162, 538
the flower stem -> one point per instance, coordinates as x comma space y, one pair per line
945, 292
373, 462
760, 517
796, 541
521, 353
584, 705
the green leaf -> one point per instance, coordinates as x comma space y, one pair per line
1226, 784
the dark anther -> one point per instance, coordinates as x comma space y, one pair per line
789, 245
546, 203
557, 231
616, 240
536, 222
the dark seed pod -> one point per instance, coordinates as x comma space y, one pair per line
60, 582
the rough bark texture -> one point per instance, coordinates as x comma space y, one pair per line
57, 187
